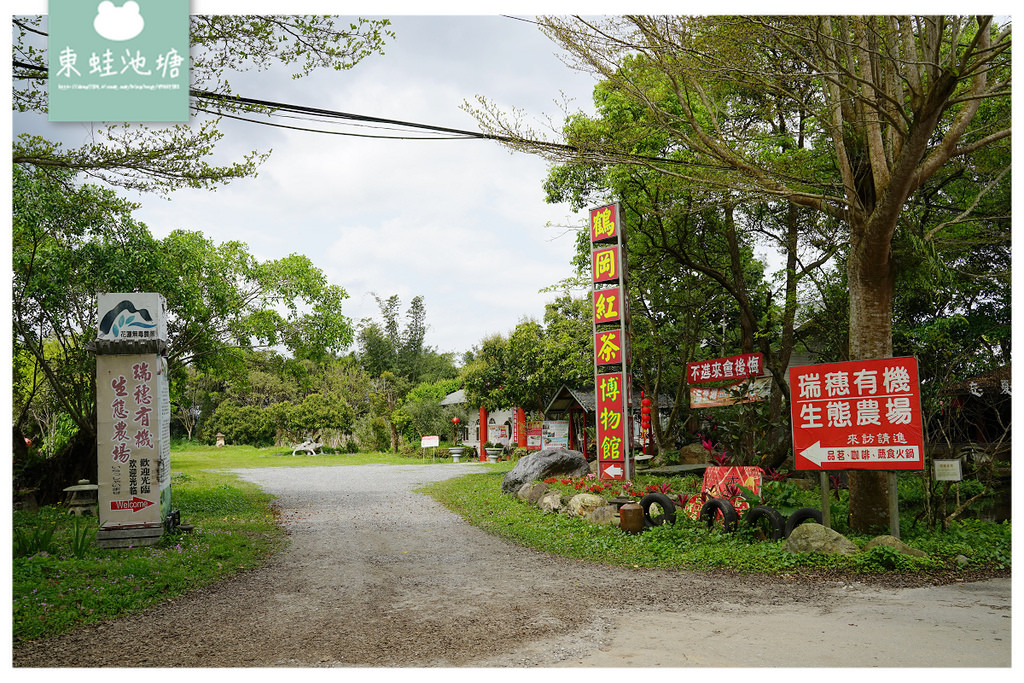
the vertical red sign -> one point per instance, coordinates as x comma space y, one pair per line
611, 425
611, 343
857, 415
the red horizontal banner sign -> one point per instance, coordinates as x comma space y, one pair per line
731, 368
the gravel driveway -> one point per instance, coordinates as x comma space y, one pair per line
377, 575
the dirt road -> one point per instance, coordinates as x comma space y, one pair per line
377, 575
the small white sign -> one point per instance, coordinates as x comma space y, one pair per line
948, 470
131, 316
430, 441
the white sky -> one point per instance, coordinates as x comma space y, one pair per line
462, 223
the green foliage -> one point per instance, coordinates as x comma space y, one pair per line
688, 544
244, 424
37, 538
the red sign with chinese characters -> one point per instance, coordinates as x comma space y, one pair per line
718, 369
604, 223
608, 348
607, 266
857, 415
607, 305
611, 423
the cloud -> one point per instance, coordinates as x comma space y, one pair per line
118, 23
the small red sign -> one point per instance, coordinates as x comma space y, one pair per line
608, 347
604, 223
607, 305
607, 266
863, 415
731, 368
134, 504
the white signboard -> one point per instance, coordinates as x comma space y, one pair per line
430, 441
131, 316
948, 470
133, 453
555, 434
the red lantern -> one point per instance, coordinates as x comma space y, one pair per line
455, 420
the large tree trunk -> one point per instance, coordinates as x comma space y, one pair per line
870, 275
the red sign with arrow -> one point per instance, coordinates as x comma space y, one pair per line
857, 415
135, 504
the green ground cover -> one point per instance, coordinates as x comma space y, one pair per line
61, 580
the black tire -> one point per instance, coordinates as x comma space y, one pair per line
668, 509
800, 516
709, 513
778, 524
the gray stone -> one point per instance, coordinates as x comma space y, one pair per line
606, 514
526, 489
583, 503
550, 462
538, 490
896, 544
550, 502
815, 538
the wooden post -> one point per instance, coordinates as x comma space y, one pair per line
894, 507
826, 509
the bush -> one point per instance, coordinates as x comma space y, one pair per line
244, 425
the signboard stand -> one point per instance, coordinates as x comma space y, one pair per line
858, 415
613, 385
133, 421
826, 508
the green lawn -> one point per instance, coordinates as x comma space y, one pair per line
61, 580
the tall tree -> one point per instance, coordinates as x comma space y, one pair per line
893, 99
71, 241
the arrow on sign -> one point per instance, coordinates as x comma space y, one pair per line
612, 471
875, 454
815, 453
135, 504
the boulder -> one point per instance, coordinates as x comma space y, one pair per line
550, 462
815, 538
606, 514
896, 544
693, 454
550, 502
583, 503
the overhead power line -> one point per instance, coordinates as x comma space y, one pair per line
282, 109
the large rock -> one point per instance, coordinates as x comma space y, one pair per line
894, 543
583, 503
815, 538
550, 462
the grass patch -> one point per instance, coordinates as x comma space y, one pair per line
688, 544
61, 579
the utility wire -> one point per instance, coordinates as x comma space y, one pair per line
272, 108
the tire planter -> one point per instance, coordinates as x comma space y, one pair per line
711, 509
668, 508
775, 520
800, 516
